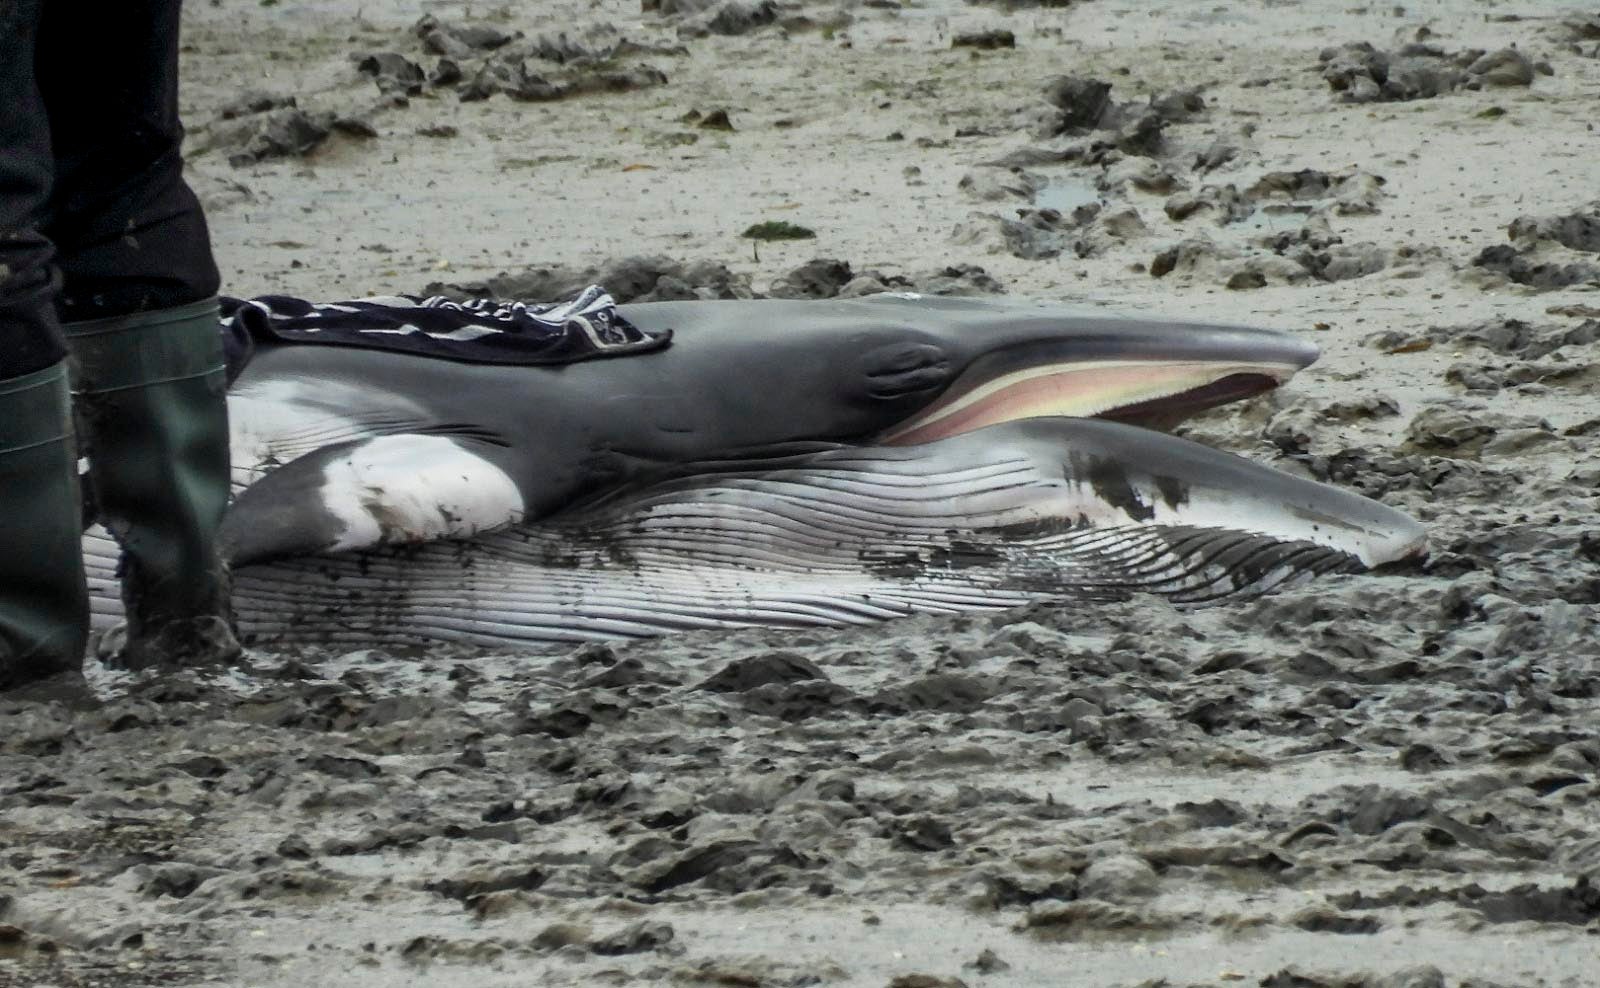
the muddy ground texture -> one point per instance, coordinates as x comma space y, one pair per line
1386, 780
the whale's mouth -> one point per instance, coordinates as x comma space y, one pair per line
1156, 394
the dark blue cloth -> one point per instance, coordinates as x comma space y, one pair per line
479, 331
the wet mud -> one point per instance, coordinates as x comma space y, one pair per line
1384, 780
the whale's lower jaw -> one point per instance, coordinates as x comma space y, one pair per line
1030, 511
1147, 392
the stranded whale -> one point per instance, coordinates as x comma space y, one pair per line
781, 463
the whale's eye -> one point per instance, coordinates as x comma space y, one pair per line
898, 370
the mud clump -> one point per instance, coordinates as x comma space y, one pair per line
1076, 105
281, 133
522, 80
459, 40
393, 73
662, 279
699, 18
628, 279
1535, 271
1360, 73
990, 40
1578, 230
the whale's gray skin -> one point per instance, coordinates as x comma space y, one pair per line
1031, 510
781, 464
339, 449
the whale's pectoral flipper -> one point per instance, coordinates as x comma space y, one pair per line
386, 490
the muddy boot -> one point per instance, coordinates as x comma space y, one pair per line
44, 603
153, 420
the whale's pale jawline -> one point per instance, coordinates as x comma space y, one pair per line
1151, 393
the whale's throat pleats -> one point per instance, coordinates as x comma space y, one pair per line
1041, 510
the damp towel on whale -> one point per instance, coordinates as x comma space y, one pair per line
477, 331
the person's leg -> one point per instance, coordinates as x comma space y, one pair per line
137, 304
44, 607
130, 235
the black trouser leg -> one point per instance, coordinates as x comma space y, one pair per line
129, 233
29, 338
90, 97
44, 608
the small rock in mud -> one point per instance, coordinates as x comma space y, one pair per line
1119, 878
393, 73
1086, 917
253, 101
1526, 268
282, 133
1075, 105
1142, 133
1581, 27
1224, 202
446, 73
521, 80
922, 833
1354, 192
459, 40
558, 935
479, 882
988, 962
698, 18
1344, 261
996, 184
629, 279
1424, 976
1179, 105
1003, 889
762, 670
638, 938
1040, 233
1314, 920
957, 279
1143, 174
1506, 67
1188, 256
1505, 336
1577, 904
1218, 153
1360, 73
816, 279
987, 40
715, 120
918, 980
1459, 432
1083, 102
1579, 230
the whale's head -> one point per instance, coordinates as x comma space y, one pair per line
904, 370
343, 449
1044, 361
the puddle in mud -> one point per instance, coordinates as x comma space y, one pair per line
1064, 193
1274, 219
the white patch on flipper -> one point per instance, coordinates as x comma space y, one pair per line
277, 421
411, 488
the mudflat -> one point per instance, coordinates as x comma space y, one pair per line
1387, 779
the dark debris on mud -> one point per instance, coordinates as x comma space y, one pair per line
654, 278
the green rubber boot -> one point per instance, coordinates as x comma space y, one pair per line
44, 603
153, 420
